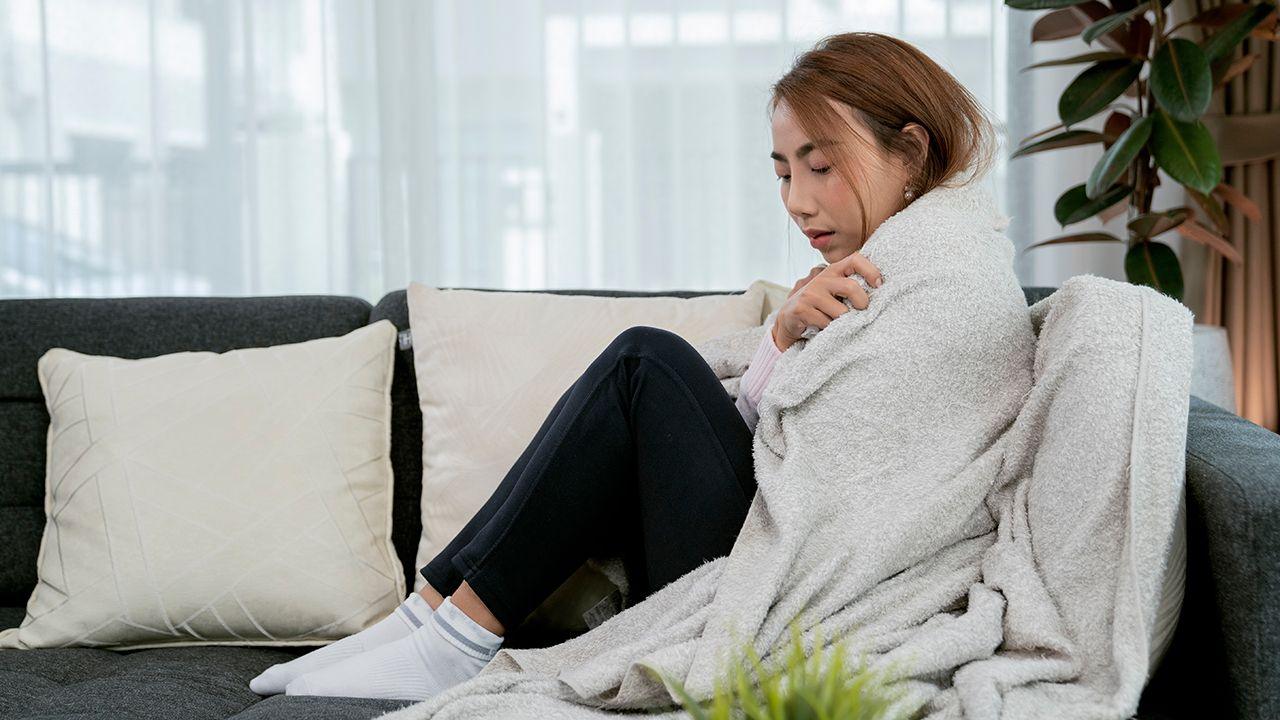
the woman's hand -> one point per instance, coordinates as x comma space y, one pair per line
815, 299
805, 280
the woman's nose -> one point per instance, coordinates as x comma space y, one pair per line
799, 202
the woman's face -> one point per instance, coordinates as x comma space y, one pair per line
815, 195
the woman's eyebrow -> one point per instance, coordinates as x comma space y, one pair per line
804, 150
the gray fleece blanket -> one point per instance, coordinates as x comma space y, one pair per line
974, 493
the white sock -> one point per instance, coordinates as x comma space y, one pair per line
410, 615
447, 650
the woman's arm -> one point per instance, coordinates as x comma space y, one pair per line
756, 377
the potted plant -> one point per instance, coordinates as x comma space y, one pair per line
1155, 85
796, 684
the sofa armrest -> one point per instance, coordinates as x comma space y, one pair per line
1228, 636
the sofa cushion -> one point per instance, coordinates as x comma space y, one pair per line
406, 435
127, 328
206, 682
490, 366
11, 616
193, 683
236, 498
306, 707
406, 438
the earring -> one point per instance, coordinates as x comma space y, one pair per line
909, 193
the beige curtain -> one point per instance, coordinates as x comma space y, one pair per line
1245, 120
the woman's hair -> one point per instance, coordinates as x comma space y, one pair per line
887, 83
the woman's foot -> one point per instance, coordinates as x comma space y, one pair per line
447, 650
412, 614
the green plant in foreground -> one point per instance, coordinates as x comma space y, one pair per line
1162, 130
820, 687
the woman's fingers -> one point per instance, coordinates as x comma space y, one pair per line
821, 302
851, 289
814, 272
869, 272
857, 263
810, 316
825, 303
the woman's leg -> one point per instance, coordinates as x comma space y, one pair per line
645, 452
440, 573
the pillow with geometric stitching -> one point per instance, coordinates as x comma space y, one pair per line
200, 498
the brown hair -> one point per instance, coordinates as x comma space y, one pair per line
887, 83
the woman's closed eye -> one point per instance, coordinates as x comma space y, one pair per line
820, 171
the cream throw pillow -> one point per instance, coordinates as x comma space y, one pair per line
491, 365
198, 498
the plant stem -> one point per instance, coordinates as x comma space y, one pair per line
1144, 168
1160, 34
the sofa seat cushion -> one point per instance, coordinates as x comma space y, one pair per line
188, 682
303, 707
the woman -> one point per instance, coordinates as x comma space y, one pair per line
645, 454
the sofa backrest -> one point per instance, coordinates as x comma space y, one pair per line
150, 326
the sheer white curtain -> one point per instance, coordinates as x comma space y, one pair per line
230, 147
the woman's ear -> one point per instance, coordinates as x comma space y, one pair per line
920, 138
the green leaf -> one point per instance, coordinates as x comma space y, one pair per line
693, 707
1186, 151
1118, 157
1081, 237
1109, 23
1070, 138
1180, 79
1152, 224
1223, 42
1154, 264
1075, 205
1097, 56
1094, 88
1042, 4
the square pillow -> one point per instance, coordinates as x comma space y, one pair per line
491, 365
200, 498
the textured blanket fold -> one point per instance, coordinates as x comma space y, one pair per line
975, 493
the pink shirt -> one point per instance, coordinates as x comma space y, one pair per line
756, 377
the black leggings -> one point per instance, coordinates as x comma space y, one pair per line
644, 457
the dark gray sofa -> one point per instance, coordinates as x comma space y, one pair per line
1226, 650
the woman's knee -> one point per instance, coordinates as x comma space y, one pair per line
646, 340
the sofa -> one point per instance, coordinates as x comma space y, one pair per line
1225, 651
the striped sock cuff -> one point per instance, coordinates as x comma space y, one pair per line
415, 610
464, 633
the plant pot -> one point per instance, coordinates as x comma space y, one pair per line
1211, 376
